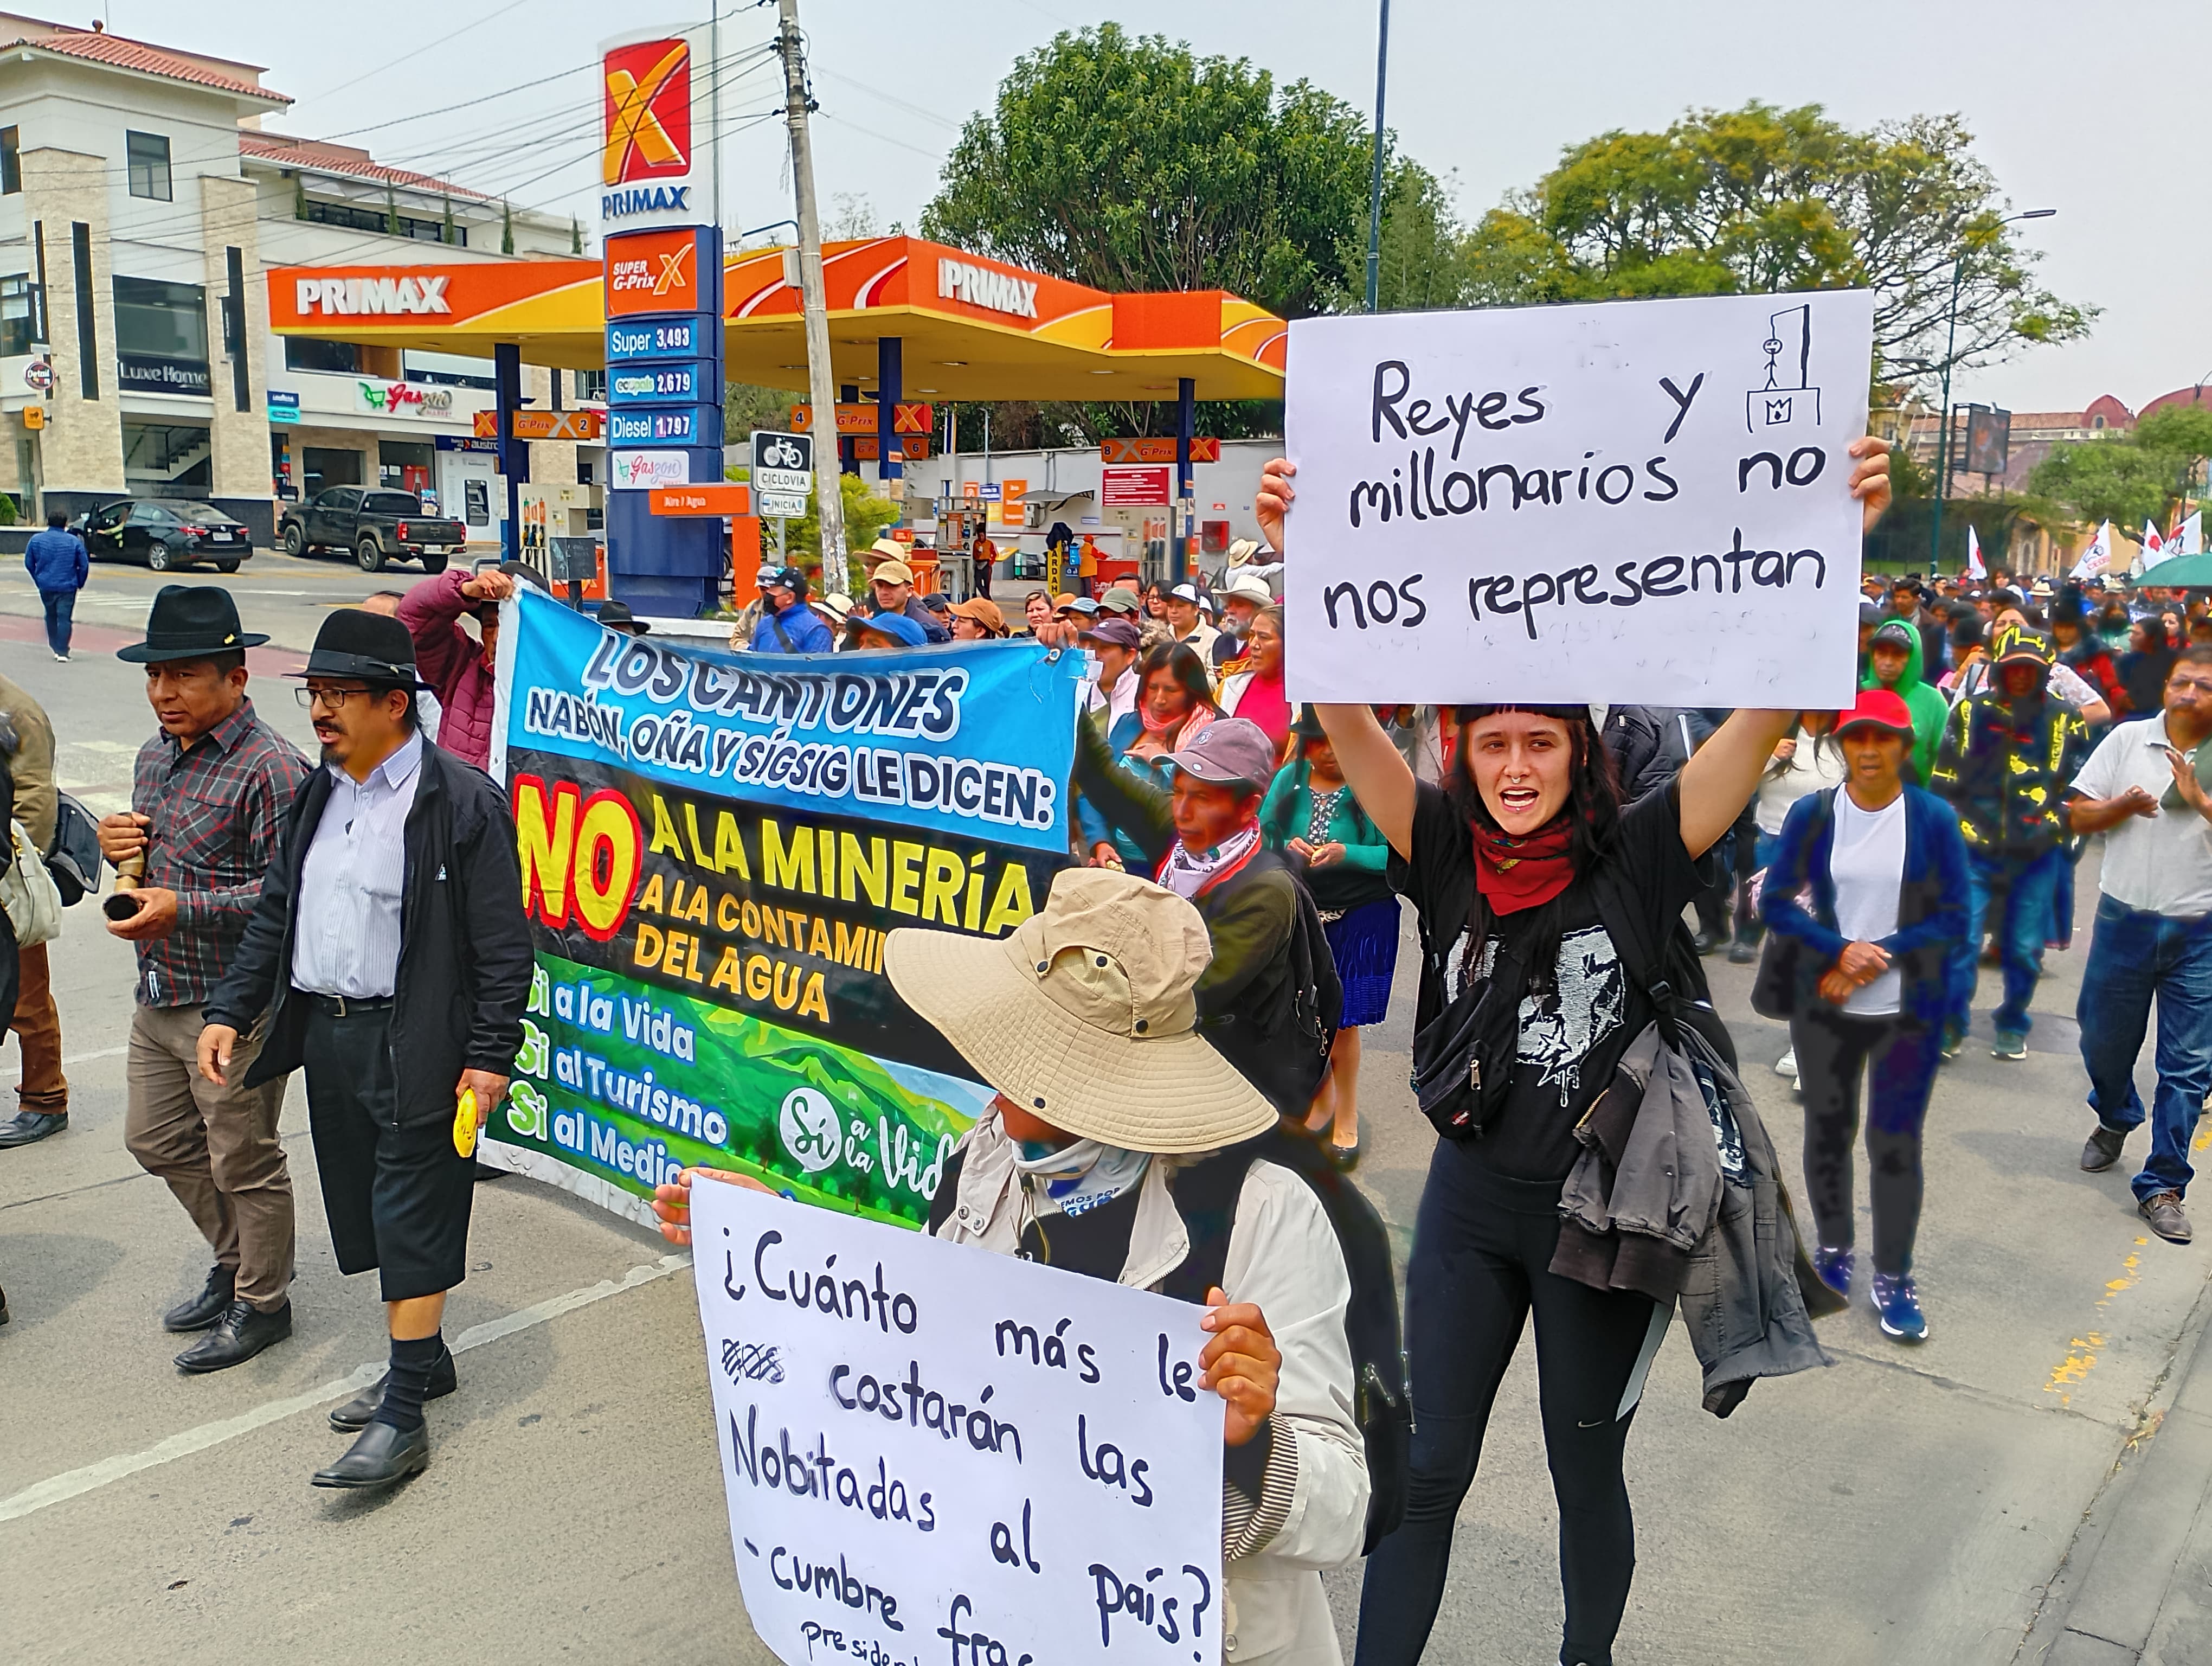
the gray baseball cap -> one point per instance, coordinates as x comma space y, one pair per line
1229, 749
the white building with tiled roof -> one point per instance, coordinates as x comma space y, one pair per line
141, 199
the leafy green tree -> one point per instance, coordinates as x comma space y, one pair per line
1761, 199
1424, 264
1129, 163
865, 517
2134, 478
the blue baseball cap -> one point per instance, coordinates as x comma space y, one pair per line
907, 631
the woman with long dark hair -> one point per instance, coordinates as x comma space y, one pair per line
1174, 703
1507, 866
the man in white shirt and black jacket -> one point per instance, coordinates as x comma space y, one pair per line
390, 940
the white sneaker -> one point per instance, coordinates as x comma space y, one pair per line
1787, 1064
61, 658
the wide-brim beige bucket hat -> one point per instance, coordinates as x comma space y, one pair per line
1084, 1015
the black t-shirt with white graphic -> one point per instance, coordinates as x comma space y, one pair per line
1572, 1037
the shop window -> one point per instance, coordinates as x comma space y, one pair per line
363, 216
591, 387
161, 336
11, 161
148, 157
448, 370
305, 353
23, 315
406, 466
326, 466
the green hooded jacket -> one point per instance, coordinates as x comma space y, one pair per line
1928, 708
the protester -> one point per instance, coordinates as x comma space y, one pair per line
59, 565
1253, 686
834, 610
1112, 695
389, 830
892, 630
1174, 704
427, 711
1201, 840
2083, 652
1908, 603
891, 586
615, 616
2007, 755
1311, 816
457, 667
9, 949
2142, 789
1894, 663
1886, 870
1109, 1106
748, 621
787, 624
977, 620
42, 1092
1122, 601
1073, 613
1969, 648
1241, 599
210, 793
1417, 734
1805, 761
1646, 751
2144, 667
1506, 867
1184, 624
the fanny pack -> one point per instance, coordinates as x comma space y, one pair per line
1464, 1057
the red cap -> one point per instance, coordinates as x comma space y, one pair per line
1880, 708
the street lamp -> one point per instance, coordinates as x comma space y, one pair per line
1950, 347
1375, 184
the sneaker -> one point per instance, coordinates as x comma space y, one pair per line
1741, 953
1834, 1266
1899, 1303
1954, 1040
1787, 1064
2010, 1045
61, 658
2163, 1211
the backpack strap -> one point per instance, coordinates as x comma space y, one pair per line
781, 634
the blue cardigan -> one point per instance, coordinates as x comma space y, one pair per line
1931, 904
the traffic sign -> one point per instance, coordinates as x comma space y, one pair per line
783, 464
782, 505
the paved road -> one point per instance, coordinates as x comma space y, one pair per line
1902, 1507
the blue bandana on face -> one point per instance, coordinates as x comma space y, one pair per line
1075, 1179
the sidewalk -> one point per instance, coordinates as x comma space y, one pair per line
2135, 1584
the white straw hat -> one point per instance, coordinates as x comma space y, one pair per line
1085, 1016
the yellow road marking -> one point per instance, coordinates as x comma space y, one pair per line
2081, 1360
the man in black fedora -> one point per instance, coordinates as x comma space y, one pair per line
392, 1027
210, 793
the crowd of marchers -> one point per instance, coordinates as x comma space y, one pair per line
1173, 1041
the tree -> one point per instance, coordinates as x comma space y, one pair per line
1424, 264
865, 517
2134, 478
1131, 164
1761, 199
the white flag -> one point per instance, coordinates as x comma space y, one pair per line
2152, 551
2188, 537
1976, 568
2097, 556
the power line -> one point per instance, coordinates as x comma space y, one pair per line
367, 74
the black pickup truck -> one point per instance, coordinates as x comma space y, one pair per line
377, 526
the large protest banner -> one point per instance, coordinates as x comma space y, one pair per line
713, 847
932, 1453
1635, 502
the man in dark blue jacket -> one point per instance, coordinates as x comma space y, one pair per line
57, 563
787, 624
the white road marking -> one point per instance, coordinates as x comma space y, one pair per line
78, 1482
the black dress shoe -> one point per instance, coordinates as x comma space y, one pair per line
242, 1332
2103, 1149
32, 1126
380, 1456
1706, 942
354, 1416
204, 1309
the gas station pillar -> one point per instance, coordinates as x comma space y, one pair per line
513, 454
889, 358
1186, 488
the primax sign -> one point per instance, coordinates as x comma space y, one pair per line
416, 293
979, 286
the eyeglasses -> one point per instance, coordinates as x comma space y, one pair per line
334, 698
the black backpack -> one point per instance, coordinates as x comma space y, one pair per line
1286, 1055
1382, 1406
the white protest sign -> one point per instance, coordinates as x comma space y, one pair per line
937, 1454
1642, 502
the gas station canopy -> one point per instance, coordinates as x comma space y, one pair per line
971, 328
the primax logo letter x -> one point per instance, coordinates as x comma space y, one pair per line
633, 124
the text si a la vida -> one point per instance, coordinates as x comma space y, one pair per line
1479, 456
754, 910
880, 738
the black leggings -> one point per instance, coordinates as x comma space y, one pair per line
1834, 1049
1482, 1248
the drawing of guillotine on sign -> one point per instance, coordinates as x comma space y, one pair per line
1788, 396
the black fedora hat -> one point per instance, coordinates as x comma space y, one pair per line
191, 621
369, 645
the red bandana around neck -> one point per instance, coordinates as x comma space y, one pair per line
1513, 874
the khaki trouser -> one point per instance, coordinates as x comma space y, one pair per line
38, 1026
216, 1147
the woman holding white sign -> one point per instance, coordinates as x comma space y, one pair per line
1516, 865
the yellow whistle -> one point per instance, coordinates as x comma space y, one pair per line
465, 1124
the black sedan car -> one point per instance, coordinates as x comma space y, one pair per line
165, 534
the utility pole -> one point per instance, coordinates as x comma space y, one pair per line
1375, 185
821, 379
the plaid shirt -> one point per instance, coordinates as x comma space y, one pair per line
218, 812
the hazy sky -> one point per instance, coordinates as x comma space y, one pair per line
2072, 106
